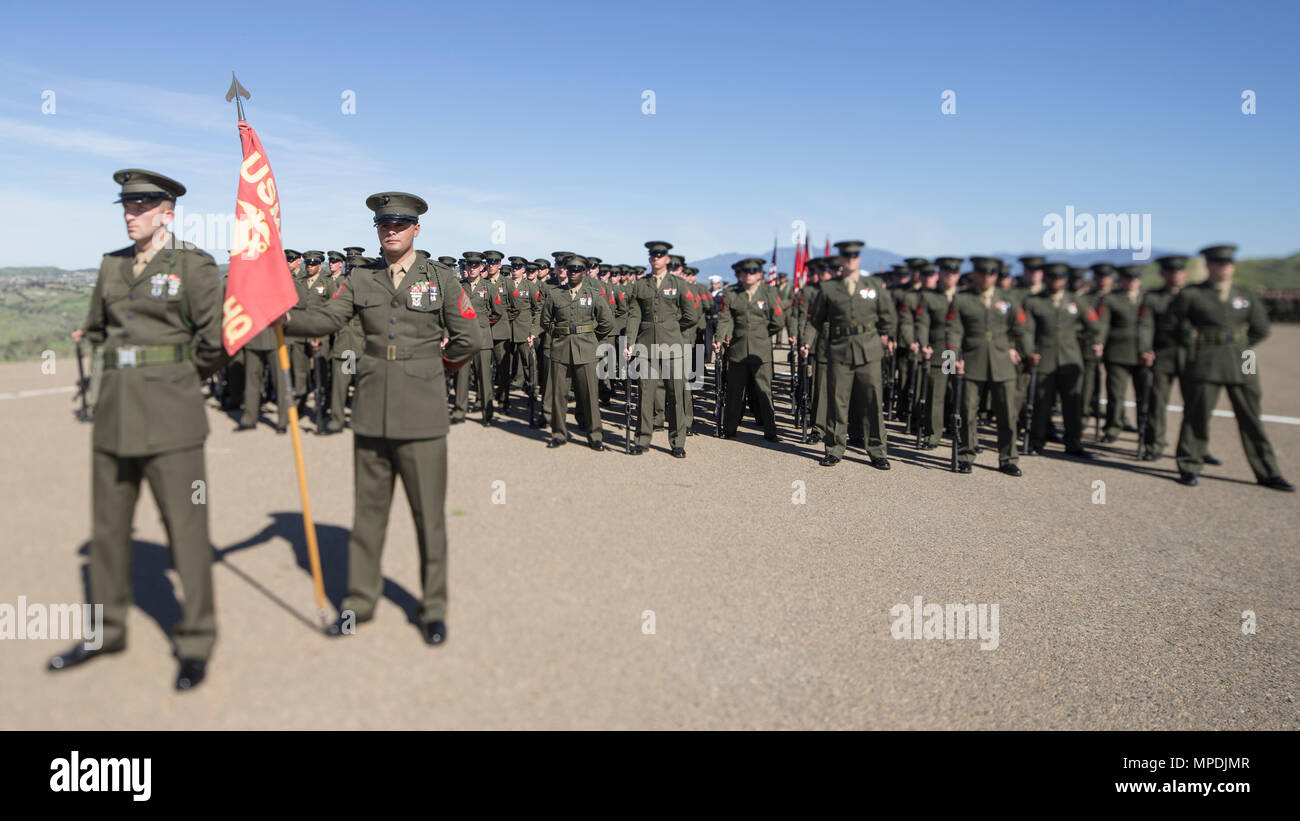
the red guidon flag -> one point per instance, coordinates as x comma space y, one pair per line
260, 287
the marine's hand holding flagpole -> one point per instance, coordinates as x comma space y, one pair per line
260, 290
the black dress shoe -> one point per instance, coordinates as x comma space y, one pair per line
1078, 453
191, 673
679, 453
281, 429
726, 435
771, 437
929, 446
963, 467
435, 632
1211, 460
555, 443
635, 450
457, 420
1130, 428
1109, 438
814, 438
79, 653
596, 445
829, 461
1150, 456
487, 423
880, 463
243, 427
1012, 470
1278, 483
1035, 450
1188, 479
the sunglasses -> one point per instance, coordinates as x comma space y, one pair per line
851, 254
575, 270
674, 266
657, 254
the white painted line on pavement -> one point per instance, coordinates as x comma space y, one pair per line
37, 392
1227, 414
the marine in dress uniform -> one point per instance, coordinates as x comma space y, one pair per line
749, 315
1220, 323
1056, 320
856, 317
658, 316
156, 310
985, 328
399, 418
578, 317
1162, 352
479, 291
345, 347
931, 323
1117, 328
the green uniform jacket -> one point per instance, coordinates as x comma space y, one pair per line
1216, 334
852, 323
404, 397
1158, 331
523, 309
797, 316
983, 336
659, 316
748, 325
480, 299
176, 301
1117, 328
499, 288
1055, 333
908, 300
577, 326
349, 336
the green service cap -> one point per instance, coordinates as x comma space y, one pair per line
354, 250
1172, 263
558, 255
850, 246
517, 260
290, 255
1218, 253
355, 260
139, 185
1054, 269
677, 258
1077, 273
1032, 262
593, 261
493, 257
927, 268
1130, 271
423, 253
472, 257
948, 263
395, 206
900, 268
335, 256
913, 263
985, 265
690, 272
576, 262
449, 261
655, 246
313, 257
639, 270
542, 264
1102, 269
748, 265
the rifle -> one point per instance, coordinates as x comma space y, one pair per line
957, 396
532, 387
1096, 399
719, 389
1144, 411
627, 405
1027, 412
804, 399
888, 395
921, 410
910, 406
83, 386
321, 369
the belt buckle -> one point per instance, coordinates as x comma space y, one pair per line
126, 357
391, 353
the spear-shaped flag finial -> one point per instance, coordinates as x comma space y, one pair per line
235, 92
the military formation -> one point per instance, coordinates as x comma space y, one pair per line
401, 345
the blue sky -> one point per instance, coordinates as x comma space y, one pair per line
531, 114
